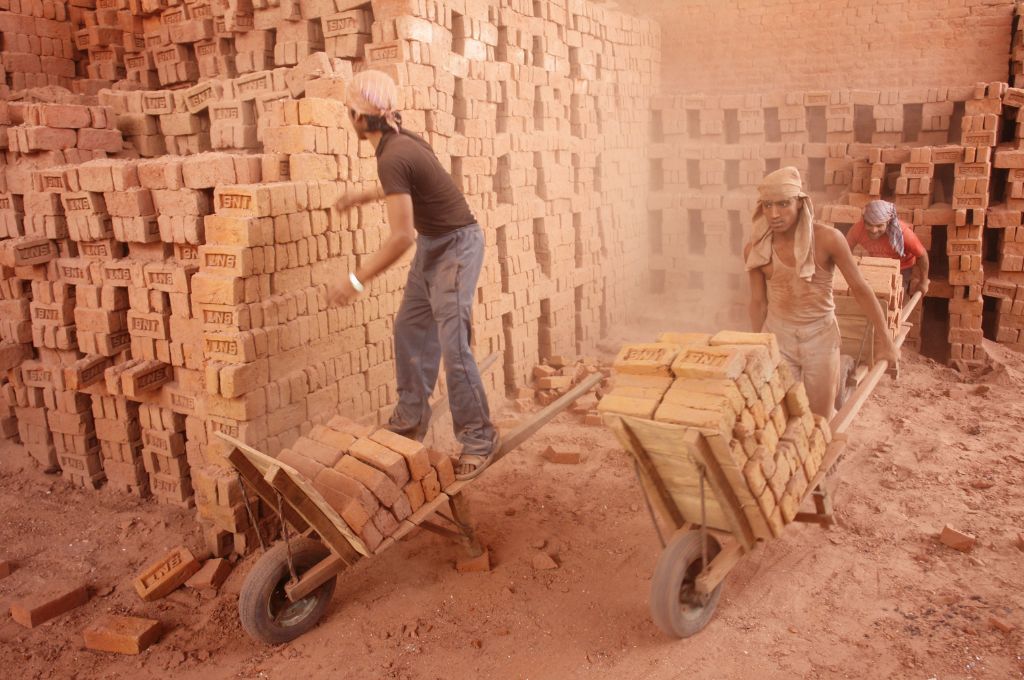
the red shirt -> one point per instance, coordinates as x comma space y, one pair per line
880, 247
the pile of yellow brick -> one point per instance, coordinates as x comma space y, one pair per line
752, 415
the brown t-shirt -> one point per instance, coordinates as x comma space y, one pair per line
407, 165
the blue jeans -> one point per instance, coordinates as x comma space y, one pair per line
435, 320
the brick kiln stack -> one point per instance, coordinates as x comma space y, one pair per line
167, 231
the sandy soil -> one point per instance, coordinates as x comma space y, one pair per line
875, 597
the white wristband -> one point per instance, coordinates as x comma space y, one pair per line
355, 282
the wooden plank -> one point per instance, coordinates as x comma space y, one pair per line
650, 474
404, 527
519, 435
516, 437
322, 572
720, 566
414, 520
674, 450
266, 492
321, 516
909, 306
844, 418
699, 447
826, 471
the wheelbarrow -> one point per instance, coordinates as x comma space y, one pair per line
289, 588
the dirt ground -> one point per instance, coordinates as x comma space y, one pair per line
875, 597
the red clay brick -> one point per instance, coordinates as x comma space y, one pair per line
327, 456
307, 467
431, 486
37, 609
401, 508
562, 456
444, 471
122, 634
415, 454
166, 574
381, 458
355, 512
100, 140
385, 522
371, 536
211, 576
480, 563
337, 440
374, 480
66, 116
353, 488
957, 539
414, 492
343, 424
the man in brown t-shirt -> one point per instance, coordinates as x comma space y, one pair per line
424, 206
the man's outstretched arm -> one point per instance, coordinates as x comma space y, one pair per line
402, 236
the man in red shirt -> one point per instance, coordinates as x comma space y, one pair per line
900, 243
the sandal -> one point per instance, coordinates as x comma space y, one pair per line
469, 466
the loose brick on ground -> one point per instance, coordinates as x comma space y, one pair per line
40, 608
480, 563
166, 574
122, 634
957, 539
210, 577
563, 456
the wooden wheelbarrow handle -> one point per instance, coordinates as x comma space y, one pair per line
842, 420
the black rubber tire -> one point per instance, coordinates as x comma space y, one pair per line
675, 605
265, 612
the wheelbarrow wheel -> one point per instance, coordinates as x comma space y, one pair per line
676, 606
263, 607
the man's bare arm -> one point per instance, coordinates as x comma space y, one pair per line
839, 251
357, 198
402, 236
758, 307
919, 277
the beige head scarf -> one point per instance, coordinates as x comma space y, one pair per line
373, 93
781, 184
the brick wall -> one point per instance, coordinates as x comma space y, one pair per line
732, 45
166, 232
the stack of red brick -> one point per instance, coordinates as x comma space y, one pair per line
852, 142
374, 479
175, 297
1004, 228
37, 46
